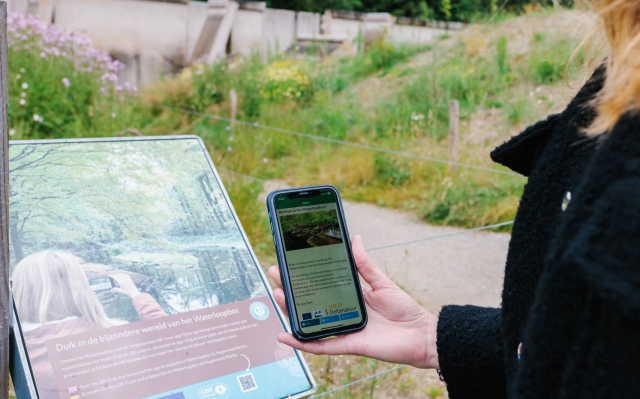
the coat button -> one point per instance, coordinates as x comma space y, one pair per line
519, 350
566, 200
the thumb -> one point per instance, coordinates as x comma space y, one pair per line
369, 271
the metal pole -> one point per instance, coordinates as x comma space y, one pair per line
454, 130
5, 307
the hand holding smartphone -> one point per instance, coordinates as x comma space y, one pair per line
319, 275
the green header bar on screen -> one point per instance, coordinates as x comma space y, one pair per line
325, 197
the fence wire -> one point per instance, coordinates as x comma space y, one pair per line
335, 141
357, 382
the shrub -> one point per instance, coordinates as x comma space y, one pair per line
59, 85
501, 55
391, 170
284, 80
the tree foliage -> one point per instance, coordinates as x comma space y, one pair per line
151, 208
456, 10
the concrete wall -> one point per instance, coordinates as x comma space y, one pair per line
196, 17
248, 28
413, 34
279, 30
127, 28
307, 24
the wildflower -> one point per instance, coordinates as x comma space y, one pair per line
21, 70
228, 128
113, 114
66, 82
102, 90
12, 132
229, 149
25, 86
230, 138
38, 118
265, 160
43, 55
23, 94
23, 101
18, 76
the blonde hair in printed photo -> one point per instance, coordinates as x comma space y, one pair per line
50, 285
620, 24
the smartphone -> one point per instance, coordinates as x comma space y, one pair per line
102, 284
319, 274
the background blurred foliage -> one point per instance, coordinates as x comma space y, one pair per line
453, 10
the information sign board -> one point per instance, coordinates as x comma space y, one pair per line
132, 278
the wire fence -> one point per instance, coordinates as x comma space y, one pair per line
405, 154
367, 147
345, 386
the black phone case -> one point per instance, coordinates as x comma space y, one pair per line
286, 282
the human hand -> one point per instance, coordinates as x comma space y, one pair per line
399, 329
126, 285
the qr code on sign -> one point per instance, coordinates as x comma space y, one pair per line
247, 382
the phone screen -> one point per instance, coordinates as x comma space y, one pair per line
324, 290
100, 284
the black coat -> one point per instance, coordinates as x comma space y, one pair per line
571, 291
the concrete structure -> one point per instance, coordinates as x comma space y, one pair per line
154, 37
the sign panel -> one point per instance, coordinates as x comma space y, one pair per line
132, 277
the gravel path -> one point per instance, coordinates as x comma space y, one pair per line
462, 269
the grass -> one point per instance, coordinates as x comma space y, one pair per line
504, 74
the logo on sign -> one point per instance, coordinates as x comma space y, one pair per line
218, 391
259, 310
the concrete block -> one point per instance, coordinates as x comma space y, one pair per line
278, 30
253, 5
127, 28
307, 23
150, 67
246, 35
219, 45
19, 6
197, 12
45, 10
130, 72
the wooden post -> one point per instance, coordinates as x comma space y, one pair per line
233, 100
5, 306
454, 130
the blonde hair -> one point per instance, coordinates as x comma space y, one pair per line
620, 23
49, 286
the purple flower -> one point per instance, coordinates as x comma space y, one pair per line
66, 82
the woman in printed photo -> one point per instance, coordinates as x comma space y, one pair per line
53, 299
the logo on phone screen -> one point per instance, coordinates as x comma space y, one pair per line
318, 313
306, 316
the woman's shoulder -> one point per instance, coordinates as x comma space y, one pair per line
521, 152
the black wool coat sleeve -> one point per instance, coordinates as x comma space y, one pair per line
477, 347
582, 339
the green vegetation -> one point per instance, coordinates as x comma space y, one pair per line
453, 10
328, 99
307, 219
